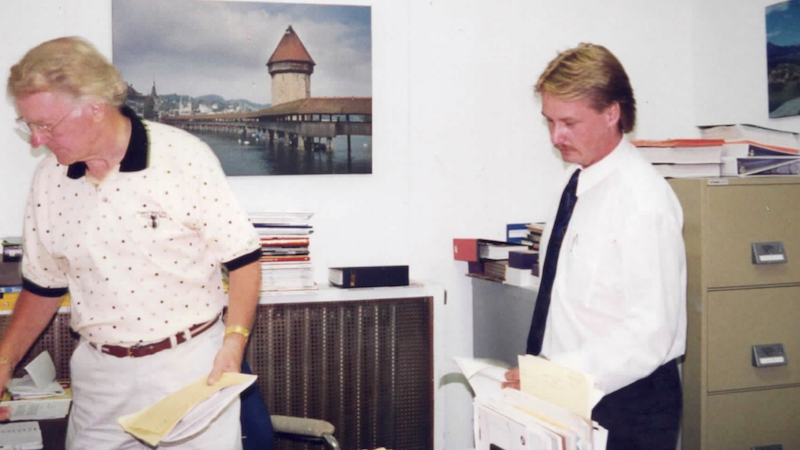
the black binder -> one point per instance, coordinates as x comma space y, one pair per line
368, 276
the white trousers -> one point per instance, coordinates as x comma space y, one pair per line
105, 388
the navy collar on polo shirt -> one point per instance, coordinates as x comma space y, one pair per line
136, 157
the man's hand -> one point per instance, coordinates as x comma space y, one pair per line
512, 379
5, 376
229, 358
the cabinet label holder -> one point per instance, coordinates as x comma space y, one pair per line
768, 355
769, 252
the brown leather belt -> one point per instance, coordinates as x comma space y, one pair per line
137, 351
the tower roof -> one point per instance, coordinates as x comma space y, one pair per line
290, 48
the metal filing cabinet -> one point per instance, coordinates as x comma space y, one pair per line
733, 399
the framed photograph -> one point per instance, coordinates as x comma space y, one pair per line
273, 88
783, 58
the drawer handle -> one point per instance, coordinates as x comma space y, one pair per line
768, 447
768, 355
769, 252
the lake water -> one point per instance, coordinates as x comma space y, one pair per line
259, 158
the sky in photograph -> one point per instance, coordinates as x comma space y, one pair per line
783, 23
193, 47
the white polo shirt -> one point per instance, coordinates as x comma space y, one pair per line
141, 251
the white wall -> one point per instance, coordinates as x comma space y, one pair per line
460, 149
730, 61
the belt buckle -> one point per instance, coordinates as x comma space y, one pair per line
129, 351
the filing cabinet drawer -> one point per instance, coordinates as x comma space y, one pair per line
739, 215
757, 418
739, 319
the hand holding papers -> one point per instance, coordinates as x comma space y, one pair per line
37, 395
186, 412
558, 385
39, 381
485, 376
552, 411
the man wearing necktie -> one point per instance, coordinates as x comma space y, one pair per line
612, 298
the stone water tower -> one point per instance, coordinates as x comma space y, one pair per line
290, 67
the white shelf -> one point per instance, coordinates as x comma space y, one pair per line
333, 294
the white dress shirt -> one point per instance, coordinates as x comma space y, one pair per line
618, 307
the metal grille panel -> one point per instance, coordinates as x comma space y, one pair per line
365, 366
58, 339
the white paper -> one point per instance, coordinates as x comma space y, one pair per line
187, 411
21, 436
559, 385
40, 380
42, 370
198, 418
485, 376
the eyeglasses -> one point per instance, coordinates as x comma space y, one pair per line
28, 127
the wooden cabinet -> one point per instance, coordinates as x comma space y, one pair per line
734, 304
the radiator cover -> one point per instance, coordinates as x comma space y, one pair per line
366, 366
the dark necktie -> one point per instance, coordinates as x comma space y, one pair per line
568, 200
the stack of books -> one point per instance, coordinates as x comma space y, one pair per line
285, 251
534, 236
523, 268
738, 150
683, 158
525, 233
486, 258
750, 150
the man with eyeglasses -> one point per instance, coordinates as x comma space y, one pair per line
135, 220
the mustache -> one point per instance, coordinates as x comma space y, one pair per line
564, 148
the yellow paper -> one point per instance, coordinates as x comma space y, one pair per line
557, 384
153, 423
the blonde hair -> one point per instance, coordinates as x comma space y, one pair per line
70, 65
590, 72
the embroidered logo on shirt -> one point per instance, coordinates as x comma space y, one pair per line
151, 218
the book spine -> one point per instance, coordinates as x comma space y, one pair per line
359, 277
290, 258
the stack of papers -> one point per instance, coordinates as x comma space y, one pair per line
186, 412
552, 410
37, 395
21, 436
38, 382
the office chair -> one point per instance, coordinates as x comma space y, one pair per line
302, 429
260, 429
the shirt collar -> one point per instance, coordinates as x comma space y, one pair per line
136, 156
594, 174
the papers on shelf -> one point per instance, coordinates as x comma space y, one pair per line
21, 436
186, 412
37, 395
38, 382
552, 411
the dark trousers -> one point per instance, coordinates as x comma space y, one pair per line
645, 415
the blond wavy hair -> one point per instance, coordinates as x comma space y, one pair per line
590, 72
69, 65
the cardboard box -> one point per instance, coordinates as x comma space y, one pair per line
54, 407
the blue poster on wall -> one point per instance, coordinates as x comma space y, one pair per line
783, 58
